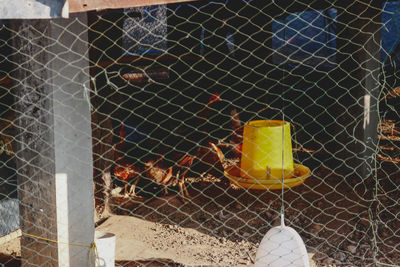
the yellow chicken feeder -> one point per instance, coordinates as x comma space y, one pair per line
267, 156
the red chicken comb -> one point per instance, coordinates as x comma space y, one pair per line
122, 132
214, 98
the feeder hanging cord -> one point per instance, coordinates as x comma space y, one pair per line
283, 173
92, 246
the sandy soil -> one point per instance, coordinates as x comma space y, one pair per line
140, 242
329, 212
223, 226
10, 244
343, 222
143, 241
138, 239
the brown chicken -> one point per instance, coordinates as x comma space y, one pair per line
220, 120
124, 170
167, 170
152, 167
207, 159
182, 151
237, 134
157, 171
126, 173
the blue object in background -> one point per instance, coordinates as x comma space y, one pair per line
133, 133
305, 37
309, 37
9, 216
390, 28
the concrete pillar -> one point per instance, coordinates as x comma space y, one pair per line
358, 57
54, 148
73, 138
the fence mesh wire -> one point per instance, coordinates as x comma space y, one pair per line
171, 90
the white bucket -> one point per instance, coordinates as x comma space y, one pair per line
105, 244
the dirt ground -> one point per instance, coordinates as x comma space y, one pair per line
224, 226
343, 222
166, 242
142, 241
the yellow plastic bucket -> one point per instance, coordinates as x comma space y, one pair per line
262, 150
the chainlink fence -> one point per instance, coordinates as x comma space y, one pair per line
171, 88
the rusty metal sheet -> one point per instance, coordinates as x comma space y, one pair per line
86, 5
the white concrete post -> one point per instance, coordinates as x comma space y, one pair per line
72, 139
53, 140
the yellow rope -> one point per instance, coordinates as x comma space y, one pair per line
92, 253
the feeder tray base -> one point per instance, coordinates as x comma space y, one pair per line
301, 173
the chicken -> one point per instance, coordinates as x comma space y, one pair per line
151, 166
215, 119
164, 168
172, 167
222, 124
207, 159
118, 148
124, 170
198, 152
237, 134
127, 172
181, 151
158, 172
